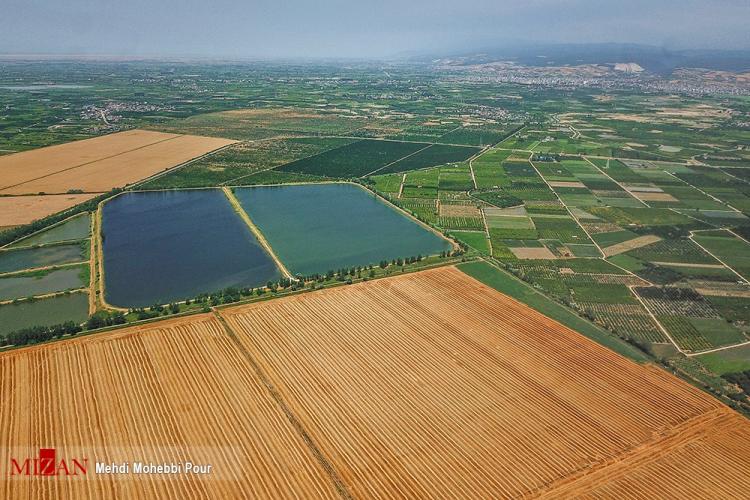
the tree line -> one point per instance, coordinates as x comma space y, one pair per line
36, 334
229, 295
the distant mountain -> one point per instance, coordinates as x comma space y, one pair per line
653, 59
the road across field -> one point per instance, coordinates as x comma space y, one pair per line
424, 385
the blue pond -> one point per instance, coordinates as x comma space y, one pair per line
166, 246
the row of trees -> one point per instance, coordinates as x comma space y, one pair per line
36, 334
228, 295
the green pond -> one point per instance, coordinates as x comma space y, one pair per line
28, 258
314, 228
44, 312
15, 287
76, 228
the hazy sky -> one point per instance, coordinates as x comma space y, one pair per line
340, 28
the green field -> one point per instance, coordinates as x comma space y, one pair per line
244, 162
727, 361
437, 154
475, 239
727, 247
355, 159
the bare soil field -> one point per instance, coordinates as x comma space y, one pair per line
645, 196
689, 264
450, 210
423, 385
570, 184
174, 391
625, 246
542, 253
102, 163
434, 385
713, 292
19, 210
600, 227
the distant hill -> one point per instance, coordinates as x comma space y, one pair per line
653, 59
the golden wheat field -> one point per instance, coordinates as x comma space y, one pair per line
101, 163
18, 210
423, 385
176, 391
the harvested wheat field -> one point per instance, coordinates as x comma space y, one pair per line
100, 164
18, 210
171, 392
423, 385
436, 385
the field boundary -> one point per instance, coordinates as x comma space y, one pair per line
182, 165
256, 232
100, 256
50, 295
3, 188
47, 228
295, 422
388, 203
608, 470
51, 267
634, 354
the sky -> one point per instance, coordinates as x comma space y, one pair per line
358, 29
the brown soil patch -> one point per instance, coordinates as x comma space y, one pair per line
100, 164
19, 210
269, 113
651, 196
628, 118
714, 292
696, 111
688, 264
532, 253
28, 165
422, 386
570, 184
601, 227
447, 210
638, 242
570, 414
